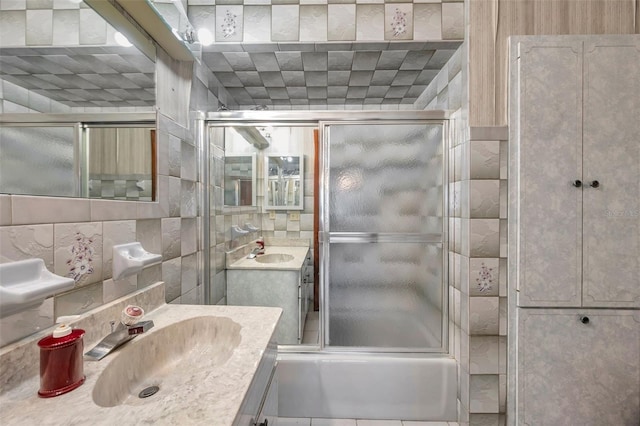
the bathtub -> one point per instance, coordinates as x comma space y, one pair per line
359, 386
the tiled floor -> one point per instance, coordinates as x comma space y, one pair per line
289, 421
311, 327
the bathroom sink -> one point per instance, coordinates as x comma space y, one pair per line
162, 363
274, 258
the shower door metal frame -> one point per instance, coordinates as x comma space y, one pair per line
325, 237
321, 119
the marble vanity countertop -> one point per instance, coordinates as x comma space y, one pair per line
212, 394
299, 254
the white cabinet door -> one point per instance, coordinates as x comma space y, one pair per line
548, 162
575, 373
611, 145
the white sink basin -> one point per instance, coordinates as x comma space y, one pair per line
165, 358
274, 258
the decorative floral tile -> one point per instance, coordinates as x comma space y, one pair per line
484, 276
78, 252
399, 21
229, 23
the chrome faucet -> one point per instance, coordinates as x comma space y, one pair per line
119, 335
258, 250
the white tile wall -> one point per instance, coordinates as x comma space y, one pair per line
342, 25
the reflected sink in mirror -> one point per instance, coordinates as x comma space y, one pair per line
274, 258
166, 359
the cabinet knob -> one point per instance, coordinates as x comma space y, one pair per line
584, 319
577, 183
594, 184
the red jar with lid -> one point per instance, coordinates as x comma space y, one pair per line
61, 364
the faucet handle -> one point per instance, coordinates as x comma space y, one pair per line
139, 328
131, 315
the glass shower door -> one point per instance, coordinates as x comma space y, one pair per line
383, 236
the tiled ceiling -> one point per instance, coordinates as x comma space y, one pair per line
111, 76
271, 74
327, 73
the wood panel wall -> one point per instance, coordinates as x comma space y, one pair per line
491, 22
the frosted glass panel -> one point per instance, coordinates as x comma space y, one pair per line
386, 181
38, 161
385, 295
386, 178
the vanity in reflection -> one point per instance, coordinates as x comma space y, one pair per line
281, 277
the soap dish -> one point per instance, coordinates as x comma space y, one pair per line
130, 259
26, 283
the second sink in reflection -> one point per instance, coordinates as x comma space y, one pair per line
274, 258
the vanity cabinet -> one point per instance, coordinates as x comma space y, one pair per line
581, 367
260, 406
575, 171
252, 284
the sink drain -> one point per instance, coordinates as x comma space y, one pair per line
147, 392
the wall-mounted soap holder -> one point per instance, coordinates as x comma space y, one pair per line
249, 227
236, 232
129, 259
26, 283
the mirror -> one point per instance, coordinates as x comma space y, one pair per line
113, 161
284, 186
121, 162
240, 180
66, 64
39, 160
241, 146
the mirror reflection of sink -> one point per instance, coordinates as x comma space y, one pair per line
160, 364
274, 258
